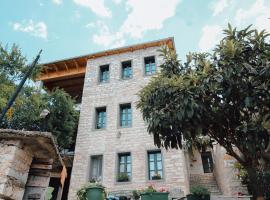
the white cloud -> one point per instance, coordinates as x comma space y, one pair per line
96, 6
58, 2
141, 19
210, 37
117, 1
38, 29
258, 14
219, 6
138, 21
105, 37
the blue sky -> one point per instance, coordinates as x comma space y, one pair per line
68, 28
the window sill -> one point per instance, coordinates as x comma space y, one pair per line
123, 183
100, 129
156, 181
124, 127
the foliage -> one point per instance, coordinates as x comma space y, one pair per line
149, 189
81, 194
123, 177
136, 194
263, 178
224, 95
156, 177
242, 173
199, 191
25, 112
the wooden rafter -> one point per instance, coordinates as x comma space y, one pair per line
66, 66
76, 64
55, 67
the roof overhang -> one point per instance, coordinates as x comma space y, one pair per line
69, 73
41, 144
75, 67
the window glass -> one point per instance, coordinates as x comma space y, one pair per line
124, 171
155, 166
100, 118
125, 115
126, 70
150, 65
96, 168
104, 73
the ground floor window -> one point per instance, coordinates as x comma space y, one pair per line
124, 169
96, 168
155, 165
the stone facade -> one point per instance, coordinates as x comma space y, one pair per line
27, 160
114, 139
14, 167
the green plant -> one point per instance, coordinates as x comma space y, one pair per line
242, 173
123, 177
223, 94
149, 189
136, 194
81, 194
156, 177
199, 191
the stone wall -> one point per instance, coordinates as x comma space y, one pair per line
114, 139
14, 166
225, 173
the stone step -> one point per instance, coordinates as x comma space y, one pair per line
206, 180
223, 197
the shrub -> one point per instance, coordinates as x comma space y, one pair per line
199, 191
123, 177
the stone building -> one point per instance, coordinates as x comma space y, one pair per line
28, 162
113, 145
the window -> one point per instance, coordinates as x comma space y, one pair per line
207, 162
124, 167
104, 74
126, 70
155, 165
101, 118
96, 168
150, 65
125, 115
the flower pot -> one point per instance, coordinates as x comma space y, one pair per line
95, 193
155, 196
196, 197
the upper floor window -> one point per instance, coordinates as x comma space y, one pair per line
155, 165
104, 73
101, 118
125, 115
124, 167
150, 65
126, 70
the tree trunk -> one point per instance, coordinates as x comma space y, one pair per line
255, 186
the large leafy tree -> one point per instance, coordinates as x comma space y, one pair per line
25, 112
224, 95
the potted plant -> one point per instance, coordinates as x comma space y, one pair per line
92, 191
198, 193
150, 193
123, 177
136, 194
156, 177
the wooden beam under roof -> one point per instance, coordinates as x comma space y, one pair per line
81, 62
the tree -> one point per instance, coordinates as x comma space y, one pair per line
25, 112
224, 95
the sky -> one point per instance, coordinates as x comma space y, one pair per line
69, 28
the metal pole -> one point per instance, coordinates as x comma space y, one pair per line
14, 96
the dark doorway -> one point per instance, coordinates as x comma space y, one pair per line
207, 162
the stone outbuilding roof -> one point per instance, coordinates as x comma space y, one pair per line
41, 144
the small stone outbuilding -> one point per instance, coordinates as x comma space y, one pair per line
27, 161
